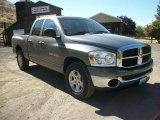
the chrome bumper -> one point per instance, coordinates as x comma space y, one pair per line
102, 82
102, 77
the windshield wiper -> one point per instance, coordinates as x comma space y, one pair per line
80, 33
99, 32
85, 32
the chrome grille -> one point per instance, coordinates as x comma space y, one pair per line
129, 62
133, 55
130, 52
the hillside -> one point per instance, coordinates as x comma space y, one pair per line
7, 13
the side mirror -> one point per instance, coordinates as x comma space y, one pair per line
50, 32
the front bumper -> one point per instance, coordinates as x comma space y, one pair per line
102, 76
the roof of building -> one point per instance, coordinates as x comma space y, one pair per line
38, 3
23, 1
104, 18
42, 2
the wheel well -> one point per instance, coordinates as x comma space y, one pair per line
70, 60
18, 48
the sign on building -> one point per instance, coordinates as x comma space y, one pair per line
40, 9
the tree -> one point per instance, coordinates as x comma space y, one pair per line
153, 30
139, 31
156, 29
158, 12
148, 30
128, 25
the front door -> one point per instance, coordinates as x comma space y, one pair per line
50, 48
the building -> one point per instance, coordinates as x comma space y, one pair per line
26, 13
113, 24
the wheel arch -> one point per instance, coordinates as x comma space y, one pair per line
18, 48
70, 60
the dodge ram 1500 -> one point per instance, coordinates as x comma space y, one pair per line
85, 52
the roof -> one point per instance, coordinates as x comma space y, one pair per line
23, 1
38, 3
104, 18
42, 2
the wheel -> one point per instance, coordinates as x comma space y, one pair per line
78, 81
23, 63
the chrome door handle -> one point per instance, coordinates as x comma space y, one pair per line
41, 43
30, 41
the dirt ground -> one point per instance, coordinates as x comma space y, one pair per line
40, 94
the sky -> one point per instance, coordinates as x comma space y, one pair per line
141, 11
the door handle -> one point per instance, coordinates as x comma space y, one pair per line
41, 43
29, 41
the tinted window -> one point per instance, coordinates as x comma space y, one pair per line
37, 27
80, 26
48, 24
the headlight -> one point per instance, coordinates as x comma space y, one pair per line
102, 58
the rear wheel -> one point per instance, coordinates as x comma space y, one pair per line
78, 81
23, 63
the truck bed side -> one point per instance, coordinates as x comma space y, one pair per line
20, 42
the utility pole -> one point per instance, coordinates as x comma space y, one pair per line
26, 1
5, 35
27, 17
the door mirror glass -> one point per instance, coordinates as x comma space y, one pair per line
50, 32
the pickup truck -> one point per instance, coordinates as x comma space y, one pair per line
85, 52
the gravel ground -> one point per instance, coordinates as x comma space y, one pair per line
40, 94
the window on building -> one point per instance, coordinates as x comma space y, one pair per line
49, 24
37, 27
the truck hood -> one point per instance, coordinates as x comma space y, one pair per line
108, 41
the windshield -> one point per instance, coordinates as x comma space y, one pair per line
81, 26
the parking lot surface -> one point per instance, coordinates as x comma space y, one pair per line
41, 94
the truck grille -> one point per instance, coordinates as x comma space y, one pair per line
132, 56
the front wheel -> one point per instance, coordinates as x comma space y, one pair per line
23, 63
78, 81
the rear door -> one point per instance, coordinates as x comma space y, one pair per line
33, 42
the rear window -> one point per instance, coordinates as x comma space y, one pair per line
37, 27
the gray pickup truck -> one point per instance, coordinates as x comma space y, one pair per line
85, 52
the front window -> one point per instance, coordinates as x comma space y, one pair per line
49, 24
81, 26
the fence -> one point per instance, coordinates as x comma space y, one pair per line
6, 35
2, 39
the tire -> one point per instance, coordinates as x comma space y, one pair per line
22, 62
78, 81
